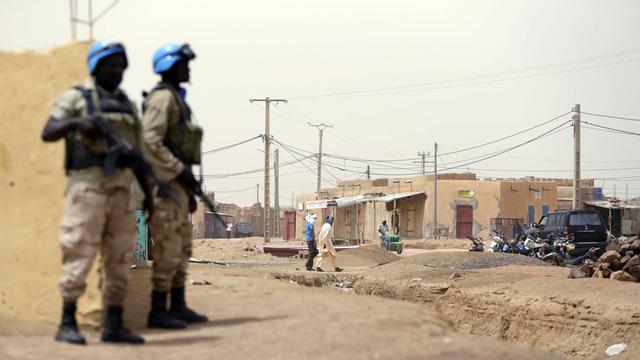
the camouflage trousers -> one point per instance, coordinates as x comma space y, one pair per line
170, 228
95, 220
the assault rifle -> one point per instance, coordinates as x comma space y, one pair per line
121, 153
193, 186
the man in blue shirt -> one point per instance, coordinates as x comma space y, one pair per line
310, 238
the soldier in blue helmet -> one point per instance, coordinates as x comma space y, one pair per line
171, 142
99, 208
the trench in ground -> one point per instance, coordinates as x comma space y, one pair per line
554, 323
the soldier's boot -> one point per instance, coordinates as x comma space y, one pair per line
180, 310
159, 316
114, 332
68, 329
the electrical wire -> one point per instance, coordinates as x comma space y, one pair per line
547, 133
230, 146
508, 136
609, 116
465, 81
612, 129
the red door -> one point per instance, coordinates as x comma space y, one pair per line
289, 228
464, 221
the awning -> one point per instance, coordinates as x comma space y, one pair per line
349, 200
317, 204
391, 197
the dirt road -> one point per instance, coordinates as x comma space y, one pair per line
435, 305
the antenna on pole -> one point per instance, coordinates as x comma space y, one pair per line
91, 20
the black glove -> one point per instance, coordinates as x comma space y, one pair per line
87, 126
193, 204
187, 179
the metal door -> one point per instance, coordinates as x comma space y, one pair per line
289, 228
464, 221
545, 209
531, 214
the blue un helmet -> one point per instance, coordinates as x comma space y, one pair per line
101, 49
166, 56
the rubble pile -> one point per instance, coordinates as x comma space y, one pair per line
620, 262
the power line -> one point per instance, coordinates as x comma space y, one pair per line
215, 176
508, 136
286, 148
230, 146
464, 81
610, 116
235, 191
612, 129
547, 133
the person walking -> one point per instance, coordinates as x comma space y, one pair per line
325, 246
310, 239
382, 232
229, 228
98, 206
172, 144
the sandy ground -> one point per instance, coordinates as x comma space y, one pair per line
433, 304
433, 244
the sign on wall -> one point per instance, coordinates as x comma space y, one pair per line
467, 194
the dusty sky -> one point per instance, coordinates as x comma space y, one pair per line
461, 73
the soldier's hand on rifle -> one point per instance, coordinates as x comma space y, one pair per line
193, 204
187, 179
87, 126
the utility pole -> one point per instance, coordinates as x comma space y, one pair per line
576, 157
267, 140
423, 155
91, 20
423, 160
321, 128
626, 195
276, 201
257, 206
368, 172
435, 185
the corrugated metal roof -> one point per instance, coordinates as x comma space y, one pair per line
391, 197
609, 205
349, 200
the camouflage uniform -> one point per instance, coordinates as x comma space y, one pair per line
170, 226
98, 210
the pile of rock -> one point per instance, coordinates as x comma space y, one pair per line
620, 262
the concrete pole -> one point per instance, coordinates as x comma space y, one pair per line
319, 177
90, 20
276, 200
576, 157
267, 185
321, 128
435, 186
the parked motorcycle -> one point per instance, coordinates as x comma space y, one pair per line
497, 242
476, 244
560, 250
